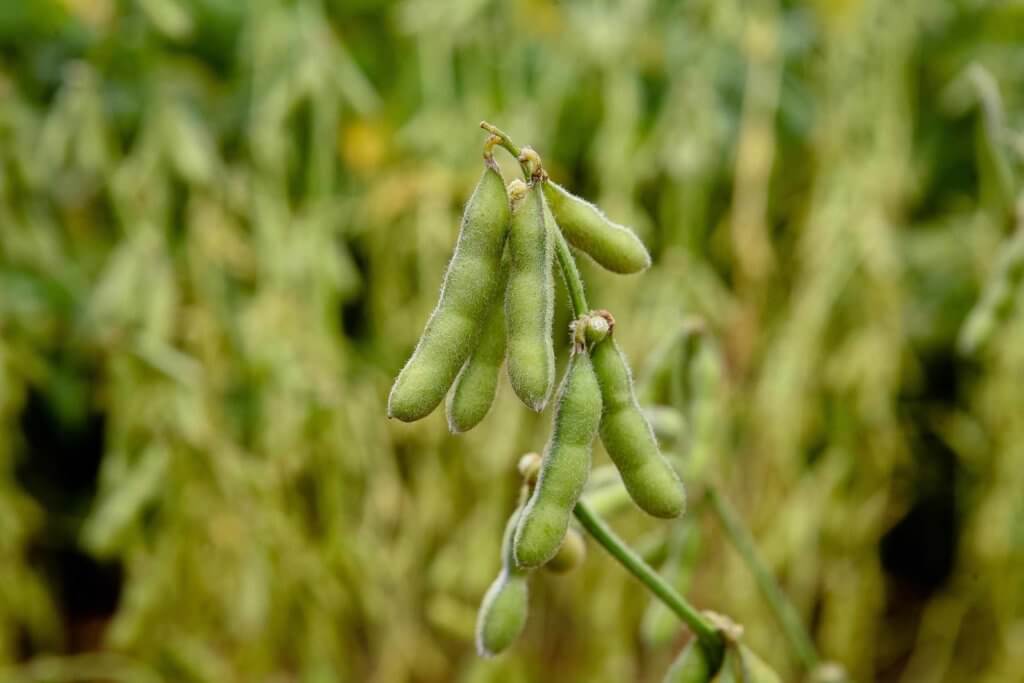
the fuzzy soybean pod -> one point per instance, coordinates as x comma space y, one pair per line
530, 302
570, 555
470, 284
754, 669
503, 611
475, 386
565, 465
691, 666
627, 436
614, 246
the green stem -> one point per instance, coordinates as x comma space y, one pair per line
781, 607
504, 140
706, 633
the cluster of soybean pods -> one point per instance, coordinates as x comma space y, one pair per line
496, 306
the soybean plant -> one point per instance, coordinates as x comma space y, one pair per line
497, 300
692, 666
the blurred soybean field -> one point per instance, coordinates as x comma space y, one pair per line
223, 224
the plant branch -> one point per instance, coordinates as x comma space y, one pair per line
573, 281
707, 634
781, 607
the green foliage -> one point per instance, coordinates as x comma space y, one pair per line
222, 228
629, 439
473, 393
614, 246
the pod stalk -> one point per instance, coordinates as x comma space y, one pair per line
708, 634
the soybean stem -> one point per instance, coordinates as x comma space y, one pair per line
504, 140
573, 281
782, 608
706, 633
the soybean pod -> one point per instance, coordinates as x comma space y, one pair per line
691, 666
470, 283
627, 436
477, 382
613, 246
503, 611
529, 301
565, 466
570, 555
753, 669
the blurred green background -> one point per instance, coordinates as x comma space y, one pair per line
223, 224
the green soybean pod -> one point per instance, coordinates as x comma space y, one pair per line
473, 393
691, 666
503, 611
754, 669
613, 246
731, 670
570, 555
565, 466
530, 302
472, 279
627, 436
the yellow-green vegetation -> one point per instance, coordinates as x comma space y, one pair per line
691, 666
224, 226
